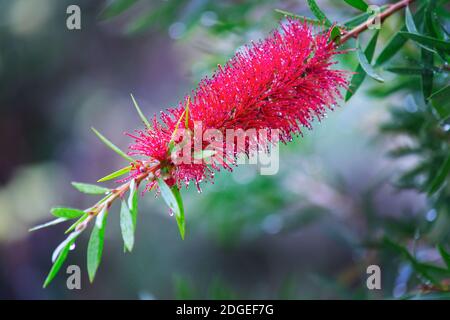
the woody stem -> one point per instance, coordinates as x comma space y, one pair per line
381, 16
116, 193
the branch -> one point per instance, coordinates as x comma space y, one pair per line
116, 193
383, 15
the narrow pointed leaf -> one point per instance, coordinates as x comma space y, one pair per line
427, 74
427, 41
302, 18
89, 188
318, 13
406, 70
420, 268
367, 67
127, 226
112, 146
67, 213
59, 256
139, 111
133, 201
173, 199
360, 74
95, 245
445, 255
115, 174
397, 40
360, 18
441, 176
358, 4
63, 244
80, 220
409, 21
440, 101
48, 224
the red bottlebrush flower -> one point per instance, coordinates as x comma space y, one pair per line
281, 83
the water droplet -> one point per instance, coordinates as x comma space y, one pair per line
176, 30
431, 215
72, 247
170, 212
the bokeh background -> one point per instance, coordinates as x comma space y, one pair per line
297, 235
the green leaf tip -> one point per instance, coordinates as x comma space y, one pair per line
127, 226
360, 74
172, 197
59, 256
358, 4
47, 224
67, 213
112, 146
115, 174
95, 245
139, 111
89, 188
367, 67
318, 12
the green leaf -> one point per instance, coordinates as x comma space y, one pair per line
421, 268
95, 245
440, 177
302, 18
133, 201
48, 224
318, 13
360, 18
411, 26
127, 226
139, 111
115, 174
445, 255
67, 213
397, 40
89, 188
116, 7
112, 146
360, 74
358, 4
391, 48
427, 41
80, 220
59, 256
409, 21
172, 197
440, 101
335, 34
367, 67
427, 74
406, 70
432, 21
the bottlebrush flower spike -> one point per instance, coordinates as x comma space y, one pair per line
277, 85
281, 83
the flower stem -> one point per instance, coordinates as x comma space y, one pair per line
383, 15
116, 193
